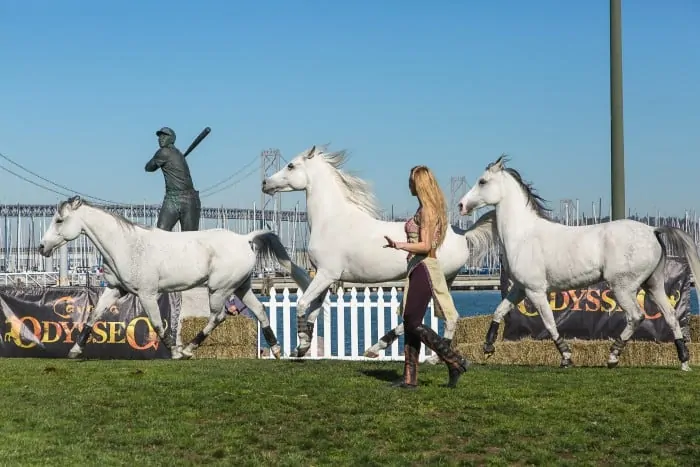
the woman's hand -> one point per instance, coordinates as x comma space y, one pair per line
391, 243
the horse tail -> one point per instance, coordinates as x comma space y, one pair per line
683, 243
482, 235
268, 245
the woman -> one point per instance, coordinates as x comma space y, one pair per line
425, 279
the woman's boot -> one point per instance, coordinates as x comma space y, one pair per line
410, 368
456, 364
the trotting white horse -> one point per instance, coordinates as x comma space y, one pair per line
543, 256
347, 237
149, 261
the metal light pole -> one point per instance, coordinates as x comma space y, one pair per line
617, 142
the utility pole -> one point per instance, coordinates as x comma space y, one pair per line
617, 144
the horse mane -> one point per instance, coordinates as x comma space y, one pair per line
356, 191
533, 199
122, 221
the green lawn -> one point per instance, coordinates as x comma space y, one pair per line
262, 412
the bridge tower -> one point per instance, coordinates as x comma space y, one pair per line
269, 164
567, 212
458, 188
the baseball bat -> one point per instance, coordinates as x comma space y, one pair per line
198, 140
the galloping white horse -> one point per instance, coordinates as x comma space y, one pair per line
543, 256
347, 237
148, 261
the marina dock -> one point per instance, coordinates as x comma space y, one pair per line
462, 282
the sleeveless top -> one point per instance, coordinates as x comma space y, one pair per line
412, 229
442, 299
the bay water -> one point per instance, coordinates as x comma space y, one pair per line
468, 303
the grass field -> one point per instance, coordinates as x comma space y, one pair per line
262, 412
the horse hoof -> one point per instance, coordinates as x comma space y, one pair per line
685, 366
612, 364
489, 349
566, 363
75, 352
178, 354
300, 352
276, 351
371, 354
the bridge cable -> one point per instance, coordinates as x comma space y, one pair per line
32, 182
230, 185
51, 182
209, 188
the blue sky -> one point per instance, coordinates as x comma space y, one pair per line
448, 83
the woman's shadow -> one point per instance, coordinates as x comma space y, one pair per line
382, 374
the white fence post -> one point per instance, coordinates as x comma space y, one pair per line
335, 330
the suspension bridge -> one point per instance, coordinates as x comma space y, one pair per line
21, 226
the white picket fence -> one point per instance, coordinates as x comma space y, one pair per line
367, 317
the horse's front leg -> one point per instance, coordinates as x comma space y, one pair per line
541, 303
217, 315
514, 296
149, 302
313, 297
108, 298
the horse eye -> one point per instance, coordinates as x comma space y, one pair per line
482, 182
59, 221
290, 166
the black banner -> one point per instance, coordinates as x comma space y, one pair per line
45, 322
593, 313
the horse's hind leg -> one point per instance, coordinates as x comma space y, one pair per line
217, 315
627, 299
655, 289
149, 302
245, 293
541, 303
384, 342
108, 298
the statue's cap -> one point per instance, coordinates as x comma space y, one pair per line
166, 131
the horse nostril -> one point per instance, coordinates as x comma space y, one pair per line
459, 205
264, 182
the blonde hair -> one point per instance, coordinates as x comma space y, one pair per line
431, 197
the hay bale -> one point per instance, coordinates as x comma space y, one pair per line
694, 328
585, 353
470, 333
237, 337
473, 329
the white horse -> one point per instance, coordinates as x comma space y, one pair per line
347, 237
543, 256
149, 261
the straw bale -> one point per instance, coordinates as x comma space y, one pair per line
470, 333
695, 328
474, 328
236, 337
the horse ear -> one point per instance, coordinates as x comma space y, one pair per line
312, 152
75, 202
499, 164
